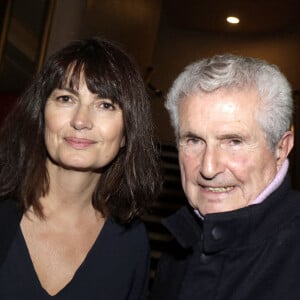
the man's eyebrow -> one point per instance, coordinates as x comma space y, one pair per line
230, 136
188, 134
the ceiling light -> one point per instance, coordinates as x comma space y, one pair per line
233, 20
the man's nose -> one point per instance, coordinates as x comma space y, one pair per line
82, 118
211, 162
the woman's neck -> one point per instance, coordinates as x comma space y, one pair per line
70, 192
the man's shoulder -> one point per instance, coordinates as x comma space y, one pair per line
292, 202
294, 195
185, 226
182, 215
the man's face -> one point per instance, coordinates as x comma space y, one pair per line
224, 157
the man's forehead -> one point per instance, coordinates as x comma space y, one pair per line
227, 99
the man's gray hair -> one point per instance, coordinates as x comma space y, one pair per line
229, 71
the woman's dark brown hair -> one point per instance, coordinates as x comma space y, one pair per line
128, 184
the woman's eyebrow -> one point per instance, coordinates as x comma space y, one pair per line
70, 90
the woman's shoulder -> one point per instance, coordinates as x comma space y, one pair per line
9, 209
135, 227
133, 233
10, 217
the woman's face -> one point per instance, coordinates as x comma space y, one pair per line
82, 131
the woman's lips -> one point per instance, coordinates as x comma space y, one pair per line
79, 143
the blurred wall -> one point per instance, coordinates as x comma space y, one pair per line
67, 23
177, 48
133, 23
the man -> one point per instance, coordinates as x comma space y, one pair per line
239, 237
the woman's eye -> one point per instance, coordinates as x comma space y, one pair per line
64, 98
107, 106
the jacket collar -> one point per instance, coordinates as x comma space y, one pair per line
220, 231
185, 226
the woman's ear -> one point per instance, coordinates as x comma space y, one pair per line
284, 147
123, 142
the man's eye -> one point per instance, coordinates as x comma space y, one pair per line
235, 142
192, 140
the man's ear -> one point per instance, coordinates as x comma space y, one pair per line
284, 147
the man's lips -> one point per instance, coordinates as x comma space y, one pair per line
218, 189
79, 143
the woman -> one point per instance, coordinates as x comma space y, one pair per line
78, 167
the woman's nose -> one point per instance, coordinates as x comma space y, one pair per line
81, 118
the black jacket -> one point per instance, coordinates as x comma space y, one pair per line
252, 253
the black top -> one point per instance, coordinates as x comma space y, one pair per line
116, 267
